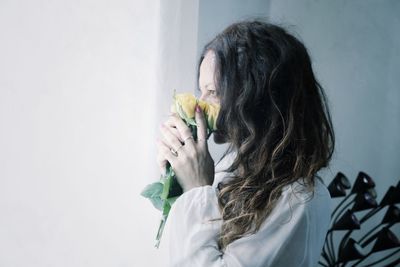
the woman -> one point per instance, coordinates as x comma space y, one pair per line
262, 204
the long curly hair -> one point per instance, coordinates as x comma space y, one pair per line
274, 114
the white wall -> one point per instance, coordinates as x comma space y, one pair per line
77, 139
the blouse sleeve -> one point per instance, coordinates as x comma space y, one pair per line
288, 237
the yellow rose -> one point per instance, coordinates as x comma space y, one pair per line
185, 104
212, 115
203, 105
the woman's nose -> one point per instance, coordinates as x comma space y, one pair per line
202, 97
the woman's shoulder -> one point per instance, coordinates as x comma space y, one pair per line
303, 188
298, 203
314, 202
298, 194
298, 188
302, 192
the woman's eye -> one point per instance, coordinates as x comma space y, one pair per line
212, 92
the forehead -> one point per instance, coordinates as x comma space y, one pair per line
207, 69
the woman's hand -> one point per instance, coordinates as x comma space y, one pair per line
192, 162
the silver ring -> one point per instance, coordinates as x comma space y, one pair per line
188, 138
174, 152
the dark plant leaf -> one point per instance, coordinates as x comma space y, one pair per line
175, 188
157, 203
166, 187
166, 208
191, 122
171, 200
152, 190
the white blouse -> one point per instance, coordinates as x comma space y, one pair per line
292, 235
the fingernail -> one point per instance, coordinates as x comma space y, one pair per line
198, 108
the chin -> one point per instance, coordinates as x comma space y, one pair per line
219, 138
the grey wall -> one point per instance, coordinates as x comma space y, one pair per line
354, 46
214, 16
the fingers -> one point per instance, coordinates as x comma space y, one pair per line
175, 132
201, 127
183, 130
164, 155
173, 129
171, 140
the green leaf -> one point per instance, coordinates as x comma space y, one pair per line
180, 111
152, 190
175, 188
210, 123
191, 122
171, 186
167, 185
171, 200
166, 208
170, 171
157, 203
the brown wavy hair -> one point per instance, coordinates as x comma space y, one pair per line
274, 113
